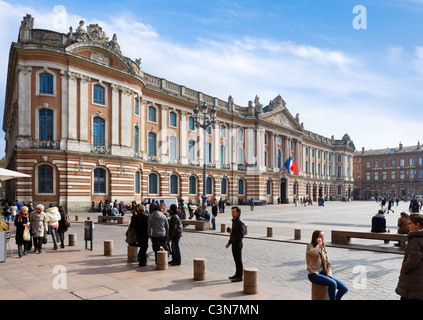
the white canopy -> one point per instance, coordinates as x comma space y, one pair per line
6, 174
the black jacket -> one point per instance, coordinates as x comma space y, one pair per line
378, 223
238, 230
175, 226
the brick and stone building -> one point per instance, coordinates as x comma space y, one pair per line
88, 124
390, 172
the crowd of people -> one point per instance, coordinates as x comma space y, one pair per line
33, 225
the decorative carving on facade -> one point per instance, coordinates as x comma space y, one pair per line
278, 102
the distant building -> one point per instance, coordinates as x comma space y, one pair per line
88, 124
390, 172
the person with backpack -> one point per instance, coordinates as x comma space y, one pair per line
175, 234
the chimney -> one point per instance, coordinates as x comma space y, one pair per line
418, 144
362, 150
400, 146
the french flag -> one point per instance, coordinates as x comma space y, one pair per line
291, 165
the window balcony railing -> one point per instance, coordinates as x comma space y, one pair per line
210, 165
101, 149
152, 158
242, 167
225, 166
138, 155
45, 144
193, 163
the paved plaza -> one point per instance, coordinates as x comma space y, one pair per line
369, 274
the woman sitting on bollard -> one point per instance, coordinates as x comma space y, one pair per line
320, 269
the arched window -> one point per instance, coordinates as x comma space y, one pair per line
99, 180
152, 139
152, 183
136, 139
241, 186
222, 131
46, 83
265, 158
45, 179
99, 130
172, 119
209, 185
152, 114
339, 172
45, 118
174, 184
172, 148
307, 188
137, 182
339, 190
192, 185
240, 134
99, 94
294, 191
268, 187
224, 186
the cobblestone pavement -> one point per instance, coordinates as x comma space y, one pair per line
369, 275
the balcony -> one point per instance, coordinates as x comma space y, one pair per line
45, 144
242, 167
101, 149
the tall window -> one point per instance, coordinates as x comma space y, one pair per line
137, 182
241, 186
152, 183
191, 150
224, 186
172, 119
208, 154
222, 154
191, 125
268, 187
45, 124
240, 156
279, 159
222, 131
172, 148
339, 172
152, 114
173, 184
99, 94
99, 180
46, 83
136, 139
240, 134
152, 138
45, 179
209, 185
136, 106
99, 131
192, 185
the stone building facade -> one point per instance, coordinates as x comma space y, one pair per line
390, 172
88, 124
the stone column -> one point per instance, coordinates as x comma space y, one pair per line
24, 103
115, 114
83, 113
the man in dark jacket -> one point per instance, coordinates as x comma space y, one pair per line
175, 233
236, 235
379, 223
139, 221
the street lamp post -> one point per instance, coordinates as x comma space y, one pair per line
204, 123
411, 173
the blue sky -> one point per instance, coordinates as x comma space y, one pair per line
366, 83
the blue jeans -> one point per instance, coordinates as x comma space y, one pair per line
331, 283
213, 221
176, 251
53, 232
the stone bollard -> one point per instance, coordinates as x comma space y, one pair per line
108, 247
223, 227
72, 239
161, 260
132, 253
76, 218
269, 232
319, 292
251, 280
297, 234
199, 269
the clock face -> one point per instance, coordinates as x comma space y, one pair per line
279, 140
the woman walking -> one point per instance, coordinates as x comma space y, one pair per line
320, 269
23, 237
39, 227
410, 283
53, 218
62, 227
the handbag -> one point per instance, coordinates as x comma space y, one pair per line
131, 236
45, 240
67, 221
26, 236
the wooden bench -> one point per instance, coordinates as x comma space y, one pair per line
344, 237
200, 225
118, 219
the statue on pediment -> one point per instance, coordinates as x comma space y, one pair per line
258, 106
278, 102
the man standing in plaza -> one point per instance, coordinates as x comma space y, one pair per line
236, 235
158, 229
